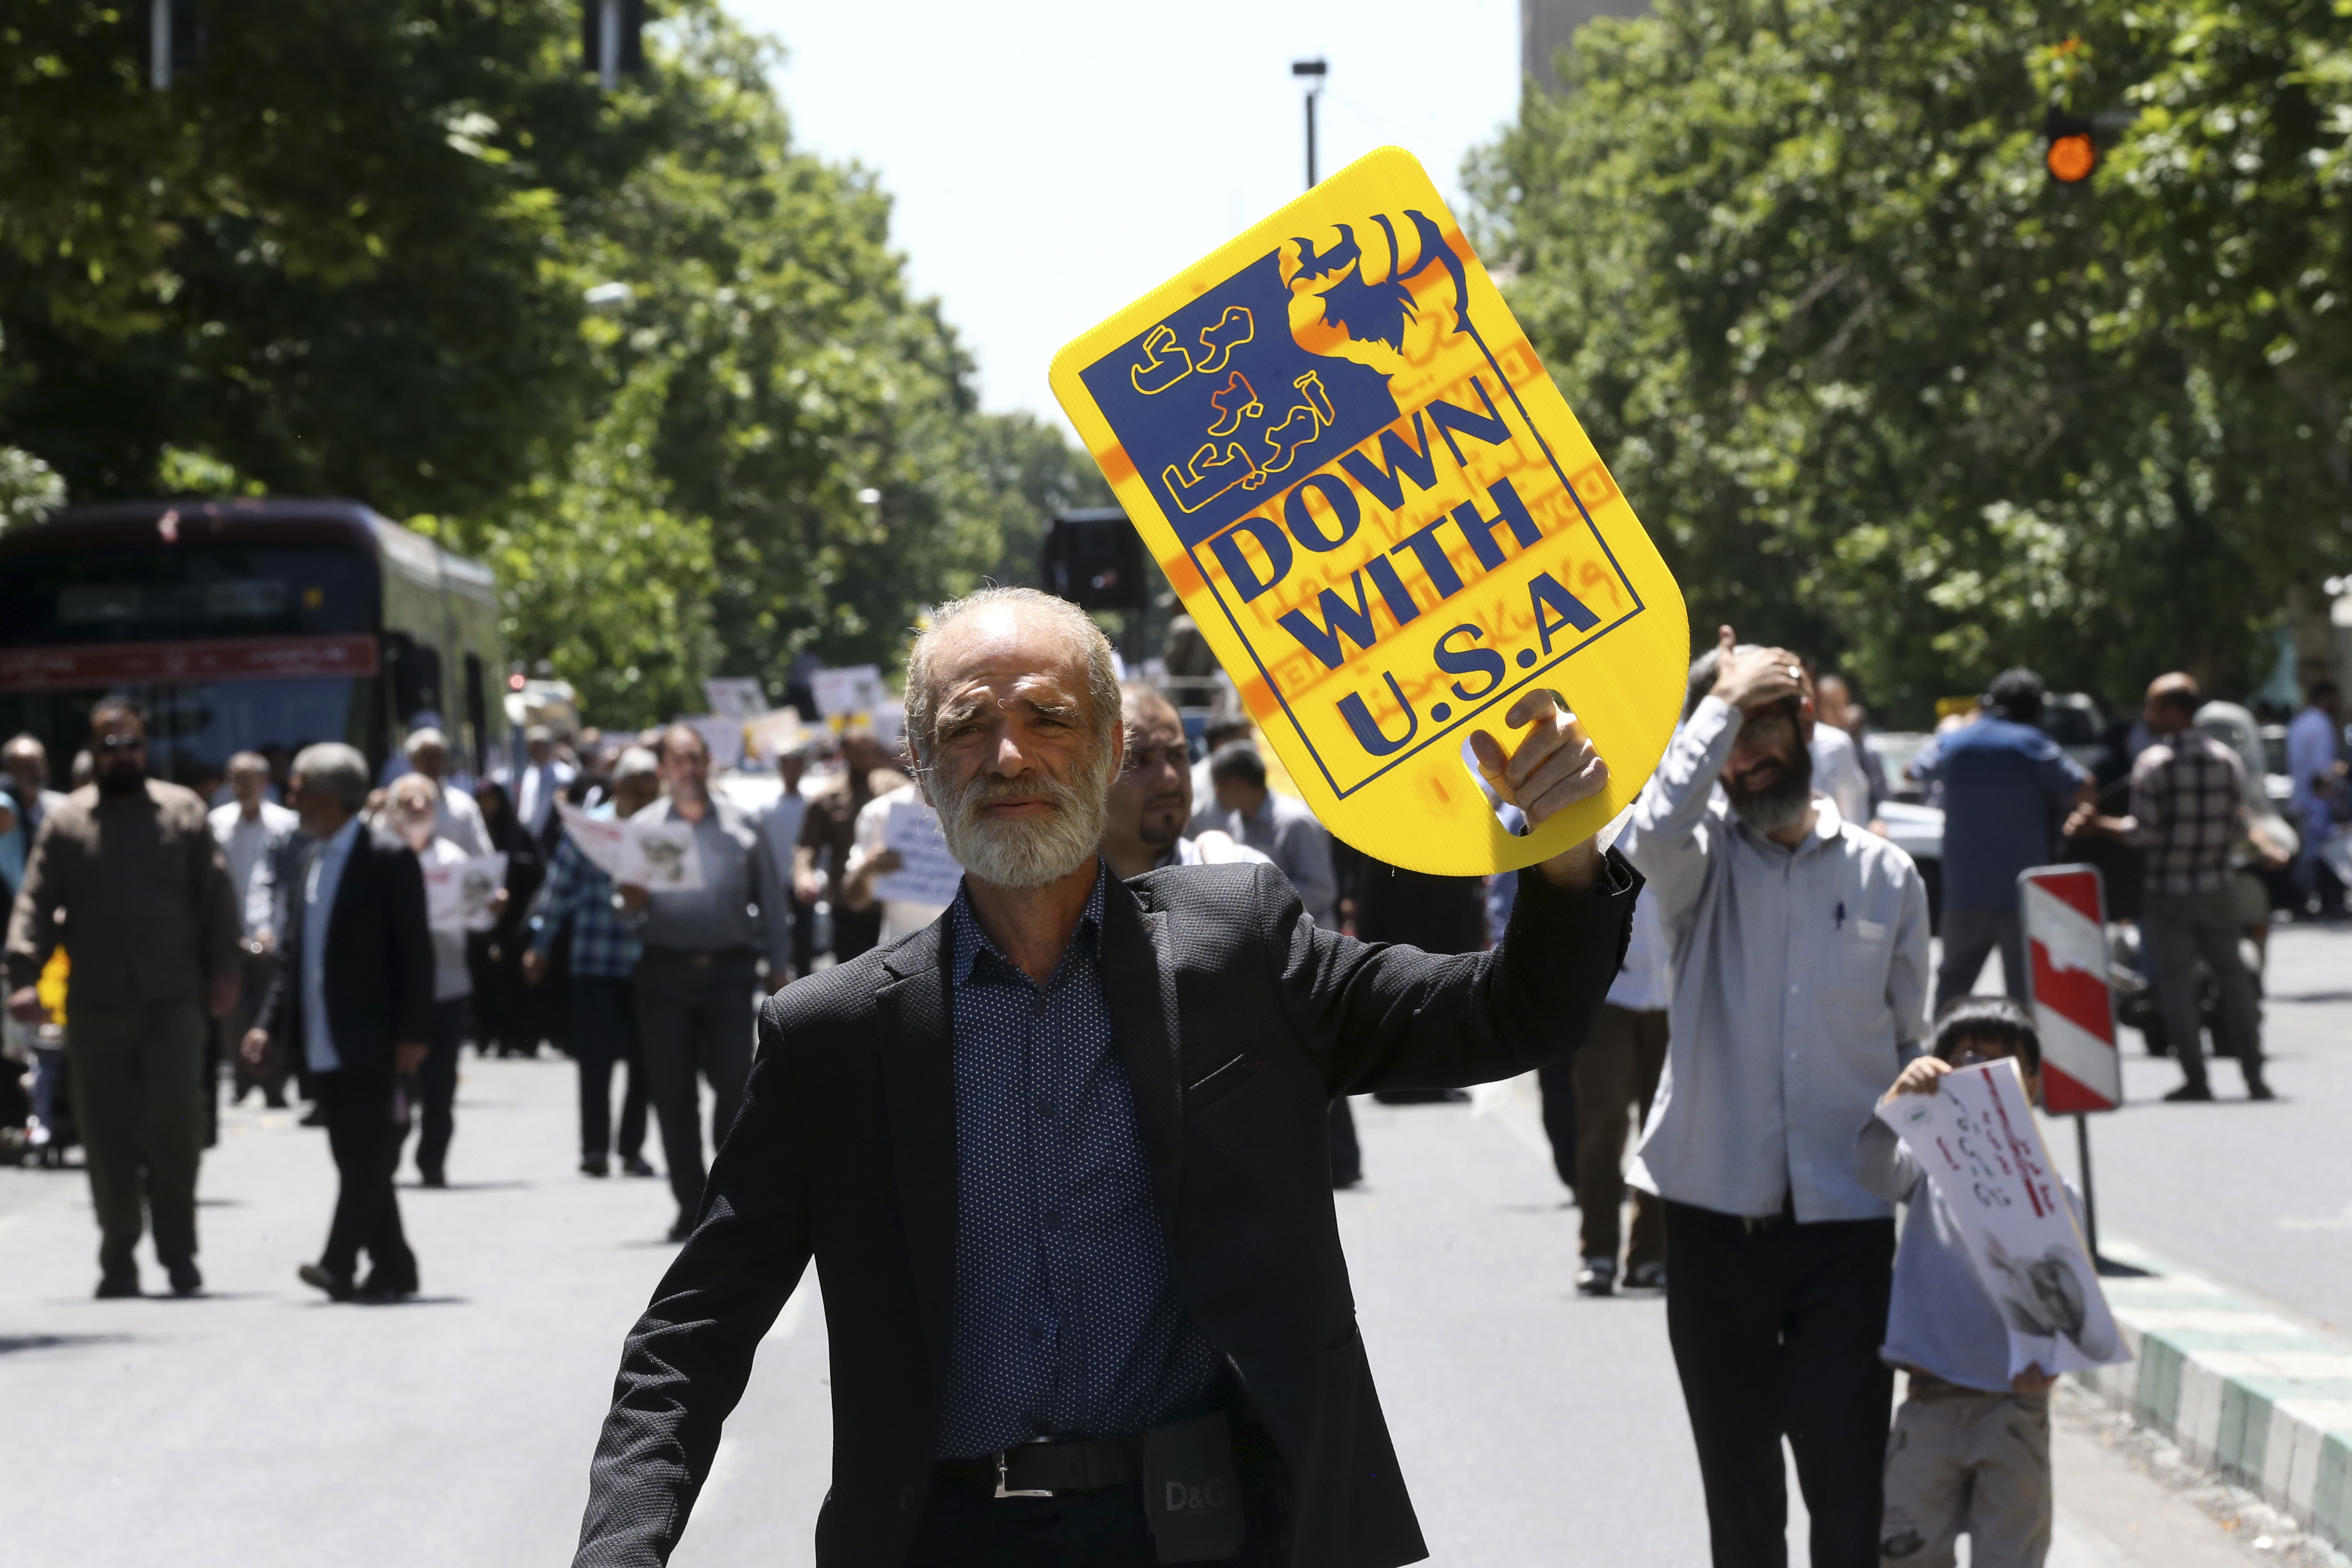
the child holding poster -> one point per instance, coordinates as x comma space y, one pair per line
1969, 1454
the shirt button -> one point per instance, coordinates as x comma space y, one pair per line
1037, 1334
1044, 1107
1037, 1006
908, 1496
1052, 1222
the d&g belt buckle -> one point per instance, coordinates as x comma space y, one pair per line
1003, 1490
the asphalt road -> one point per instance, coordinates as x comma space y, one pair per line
260, 1427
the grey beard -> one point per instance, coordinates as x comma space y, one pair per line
1022, 853
1782, 804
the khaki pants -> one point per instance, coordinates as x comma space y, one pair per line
138, 1102
1961, 1462
1616, 1074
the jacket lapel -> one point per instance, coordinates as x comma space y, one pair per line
917, 1029
1138, 988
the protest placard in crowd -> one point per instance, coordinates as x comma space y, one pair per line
1346, 455
658, 856
735, 696
927, 873
849, 692
1980, 1145
458, 895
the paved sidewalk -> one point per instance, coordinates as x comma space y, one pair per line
2257, 1398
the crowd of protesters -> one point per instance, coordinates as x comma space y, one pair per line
1775, 986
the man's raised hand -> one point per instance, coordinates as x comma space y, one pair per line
1553, 767
1752, 678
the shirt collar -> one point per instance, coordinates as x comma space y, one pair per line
341, 841
970, 941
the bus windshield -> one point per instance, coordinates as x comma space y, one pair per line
229, 649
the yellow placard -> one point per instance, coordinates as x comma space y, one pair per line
1343, 452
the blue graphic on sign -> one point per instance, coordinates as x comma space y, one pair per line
1220, 407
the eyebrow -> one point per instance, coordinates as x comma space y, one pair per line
966, 707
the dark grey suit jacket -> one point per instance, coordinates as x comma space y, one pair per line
1237, 1020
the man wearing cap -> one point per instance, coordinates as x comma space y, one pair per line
541, 781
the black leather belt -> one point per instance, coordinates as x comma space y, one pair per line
1048, 1469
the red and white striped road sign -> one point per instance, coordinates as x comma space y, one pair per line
2065, 908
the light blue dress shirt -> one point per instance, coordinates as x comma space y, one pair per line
318, 907
1798, 990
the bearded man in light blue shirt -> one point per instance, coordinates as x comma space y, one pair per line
1799, 945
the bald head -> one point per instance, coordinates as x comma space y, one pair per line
2172, 703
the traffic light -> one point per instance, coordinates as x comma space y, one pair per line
2072, 150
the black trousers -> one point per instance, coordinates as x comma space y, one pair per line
437, 1087
604, 1032
1556, 1082
695, 1016
1775, 1329
365, 1142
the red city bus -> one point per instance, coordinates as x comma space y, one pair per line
259, 625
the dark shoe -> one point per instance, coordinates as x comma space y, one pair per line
274, 1101
114, 1287
316, 1116
337, 1286
1646, 1276
2195, 1092
186, 1280
594, 1165
681, 1227
1597, 1278
432, 1178
1342, 1180
636, 1166
2258, 1090
382, 1286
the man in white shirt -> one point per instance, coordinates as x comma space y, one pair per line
1800, 948
249, 829
2313, 743
781, 827
460, 820
1838, 773
871, 858
541, 782
1281, 828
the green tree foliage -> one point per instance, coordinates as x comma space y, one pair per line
1879, 388
648, 358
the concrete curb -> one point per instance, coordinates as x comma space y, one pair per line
2261, 1401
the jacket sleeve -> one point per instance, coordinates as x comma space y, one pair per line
412, 946
33, 919
220, 924
1375, 1015
684, 1363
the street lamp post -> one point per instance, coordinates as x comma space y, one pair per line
1310, 74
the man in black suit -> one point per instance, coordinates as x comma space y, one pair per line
1060, 1159
353, 1003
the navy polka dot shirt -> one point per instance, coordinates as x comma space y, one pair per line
1065, 1323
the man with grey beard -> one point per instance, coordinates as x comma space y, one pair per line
1059, 1157
1800, 943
